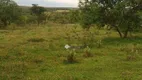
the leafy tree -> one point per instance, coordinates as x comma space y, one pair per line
38, 12
9, 12
122, 15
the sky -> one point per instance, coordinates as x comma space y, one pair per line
49, 3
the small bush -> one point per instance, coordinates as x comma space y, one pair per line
71, 57
87, 52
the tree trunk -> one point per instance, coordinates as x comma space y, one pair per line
126, 33
5, 23
119, 32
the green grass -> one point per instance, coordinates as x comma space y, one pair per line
37, 53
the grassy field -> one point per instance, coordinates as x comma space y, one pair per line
38, 53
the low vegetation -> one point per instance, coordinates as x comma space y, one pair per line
39, 53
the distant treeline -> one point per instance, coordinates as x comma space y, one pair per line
123, 16
54, 14
11, 13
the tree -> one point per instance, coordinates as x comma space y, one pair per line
9, 12
122, 15
38, 12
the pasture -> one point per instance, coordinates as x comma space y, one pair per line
38, 53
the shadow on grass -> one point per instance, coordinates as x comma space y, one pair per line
36, 40
68, 63
112, 40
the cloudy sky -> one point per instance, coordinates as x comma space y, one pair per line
49, 3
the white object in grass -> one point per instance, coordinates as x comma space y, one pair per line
67, 46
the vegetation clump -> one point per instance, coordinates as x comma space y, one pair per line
71, 57
87, 52
9, 12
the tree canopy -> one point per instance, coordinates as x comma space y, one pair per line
122, 15
38, 11
9, 11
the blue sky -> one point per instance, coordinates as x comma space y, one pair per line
49, 3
